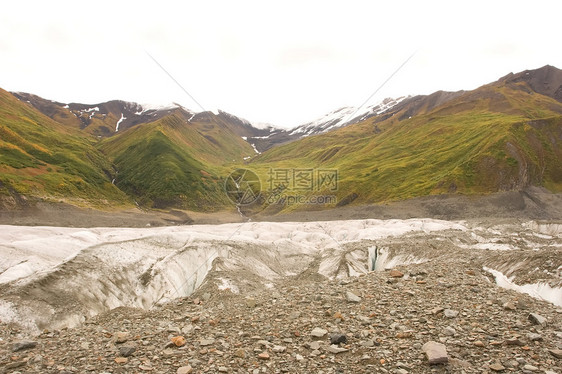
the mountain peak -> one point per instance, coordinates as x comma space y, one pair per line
546, 80
345, 116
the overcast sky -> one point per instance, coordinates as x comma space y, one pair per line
283, 63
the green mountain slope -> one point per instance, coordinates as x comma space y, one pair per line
42, 158
506, 135
174, 162
502, 136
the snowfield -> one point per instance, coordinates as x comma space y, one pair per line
55, 277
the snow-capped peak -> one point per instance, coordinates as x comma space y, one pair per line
344, 116
157, 107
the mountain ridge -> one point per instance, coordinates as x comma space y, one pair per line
502, 136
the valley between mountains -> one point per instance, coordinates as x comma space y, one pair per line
504, 136
419, 235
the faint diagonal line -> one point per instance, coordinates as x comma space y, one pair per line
175, 81
350, 117
204, 263
331, 236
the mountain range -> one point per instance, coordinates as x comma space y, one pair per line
503, 136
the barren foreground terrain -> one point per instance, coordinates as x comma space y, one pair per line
351, 296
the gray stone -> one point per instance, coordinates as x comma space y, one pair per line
514, 341
450, 313
556, 352
436, 353
314, 345
537, 319
335, 349
449, 331
23, 344
530, 368
279, 349
509, 306
497, 367
512, 363
367, 343
206, 342
534, 337
317, 332
352, 298
126, 350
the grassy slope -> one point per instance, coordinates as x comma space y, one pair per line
175, 163
499, 137
43, 158
495, 138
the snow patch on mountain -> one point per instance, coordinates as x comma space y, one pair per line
345, 116
119, 122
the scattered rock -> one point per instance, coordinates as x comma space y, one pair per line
450, 313
15, 365
556, 352
206, 342
126, 350
509, 306
534, 337
436, 310
396, 273
314, 345
318, 332
352, 298
336, 349
436, 353
121, 337
23, 344
251, 302
530, 368
514, 341
338, 338
306, 324
497, 367
179, 341
279, 349
537, 319
184, 370
449, 331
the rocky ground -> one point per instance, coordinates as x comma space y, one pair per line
531, 203
380, 322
